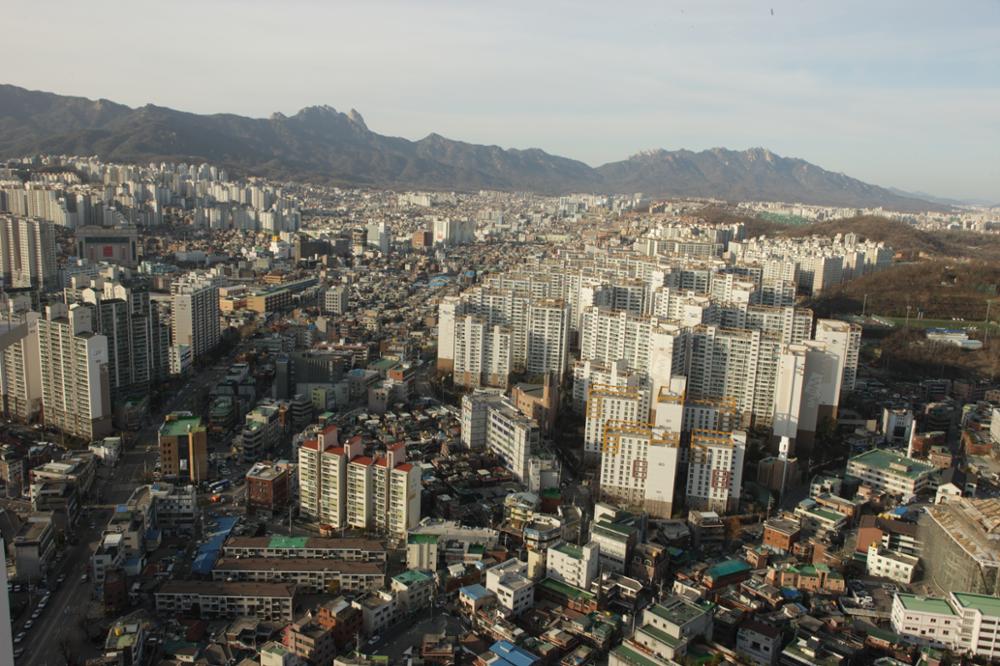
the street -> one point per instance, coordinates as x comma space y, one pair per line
61, 623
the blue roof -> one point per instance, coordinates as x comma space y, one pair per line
208, 552
475, 592
515, 655
790, 593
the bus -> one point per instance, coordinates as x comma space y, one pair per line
219, 486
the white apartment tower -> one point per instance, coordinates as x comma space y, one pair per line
28, 254
844, 340
73, 362
195, 315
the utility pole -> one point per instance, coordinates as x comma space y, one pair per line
864, 306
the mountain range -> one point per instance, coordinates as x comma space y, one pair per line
321, 144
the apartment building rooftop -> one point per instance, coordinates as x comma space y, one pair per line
891, 462
298, 564
234, 589
919, 604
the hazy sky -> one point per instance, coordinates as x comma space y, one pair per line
903, 94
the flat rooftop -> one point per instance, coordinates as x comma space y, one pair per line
298, 564
181, 426
920, 604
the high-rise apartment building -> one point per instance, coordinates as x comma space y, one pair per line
341, 487
715, 470
482, 355
844, 340
20, 369
74, 372
28, 254
195, 314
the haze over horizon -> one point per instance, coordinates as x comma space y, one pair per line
903, 94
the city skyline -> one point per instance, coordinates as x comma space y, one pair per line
832, 86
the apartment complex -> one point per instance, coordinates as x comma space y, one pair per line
341, 487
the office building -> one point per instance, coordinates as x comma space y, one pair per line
335, 300
183, 445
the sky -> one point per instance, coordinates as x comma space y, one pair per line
896, 93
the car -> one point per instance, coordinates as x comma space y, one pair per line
37, 614
83, 578
61, 579
29, 624
374, 639
18, 653
20, 637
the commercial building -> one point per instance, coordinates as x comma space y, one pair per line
269, 486
335, 300
34, 547
267, 601
116, 245
308, 639
183, 444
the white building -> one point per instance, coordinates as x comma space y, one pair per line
475, 416
715, 470
844, 340
509, 581
512, 436
963, 622
73, 360
887, 471
572, 564
889, 564
194, 312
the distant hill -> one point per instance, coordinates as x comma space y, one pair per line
319, 143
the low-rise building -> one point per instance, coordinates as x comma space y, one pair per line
308, 639
889, 564
350, 549
414, 590
509, 581
890, 472
313, 575
759, 642
267, 601
573, 565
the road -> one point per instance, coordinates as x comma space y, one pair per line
62, 620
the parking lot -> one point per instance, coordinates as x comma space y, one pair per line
404, 638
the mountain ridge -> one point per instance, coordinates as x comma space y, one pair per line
319, 143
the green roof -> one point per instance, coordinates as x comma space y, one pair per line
679, 611
287, 542
985, 604
727, 568
422, 538
180, 426
567, 591
660, 635
630, 656
925, 604
889, 461
411, 577
569, 549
